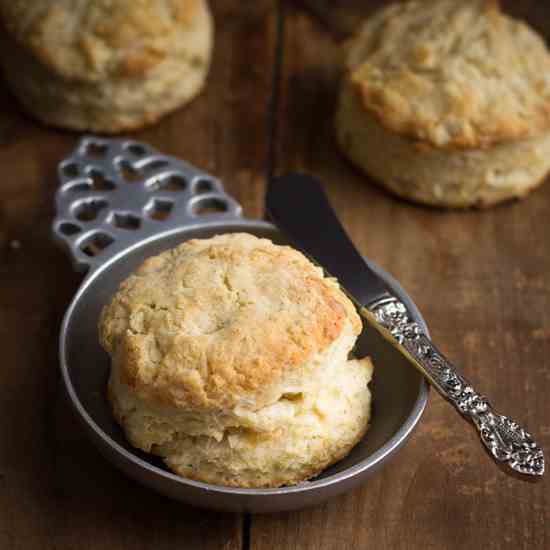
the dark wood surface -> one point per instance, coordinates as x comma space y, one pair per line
482, 280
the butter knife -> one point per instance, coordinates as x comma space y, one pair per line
299, 207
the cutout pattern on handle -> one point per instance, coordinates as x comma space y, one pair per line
117, 192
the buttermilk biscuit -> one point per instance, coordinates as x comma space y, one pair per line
230, 361
447, 103
104, 65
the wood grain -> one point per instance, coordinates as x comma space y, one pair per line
341, 18
482, 280
56, 492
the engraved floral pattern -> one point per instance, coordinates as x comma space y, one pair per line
506, 441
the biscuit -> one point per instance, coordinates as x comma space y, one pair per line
447, 103
105, 65
230, 361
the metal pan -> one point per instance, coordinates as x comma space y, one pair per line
120, 202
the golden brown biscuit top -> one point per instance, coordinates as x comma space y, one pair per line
90, 39
452, 73
213, 321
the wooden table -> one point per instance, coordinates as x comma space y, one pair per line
482, 280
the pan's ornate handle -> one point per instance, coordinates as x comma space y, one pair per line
506, 441
115, 193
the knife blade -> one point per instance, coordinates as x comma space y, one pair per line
304, 214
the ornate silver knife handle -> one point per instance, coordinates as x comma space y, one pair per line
505, 440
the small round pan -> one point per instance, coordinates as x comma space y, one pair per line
120, 202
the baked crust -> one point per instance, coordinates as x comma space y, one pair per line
89, 42
105, 65
447, 103
457, 75
434, 176
214, 321
230, 361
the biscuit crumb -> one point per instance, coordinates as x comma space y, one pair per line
453, 95
223, 351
